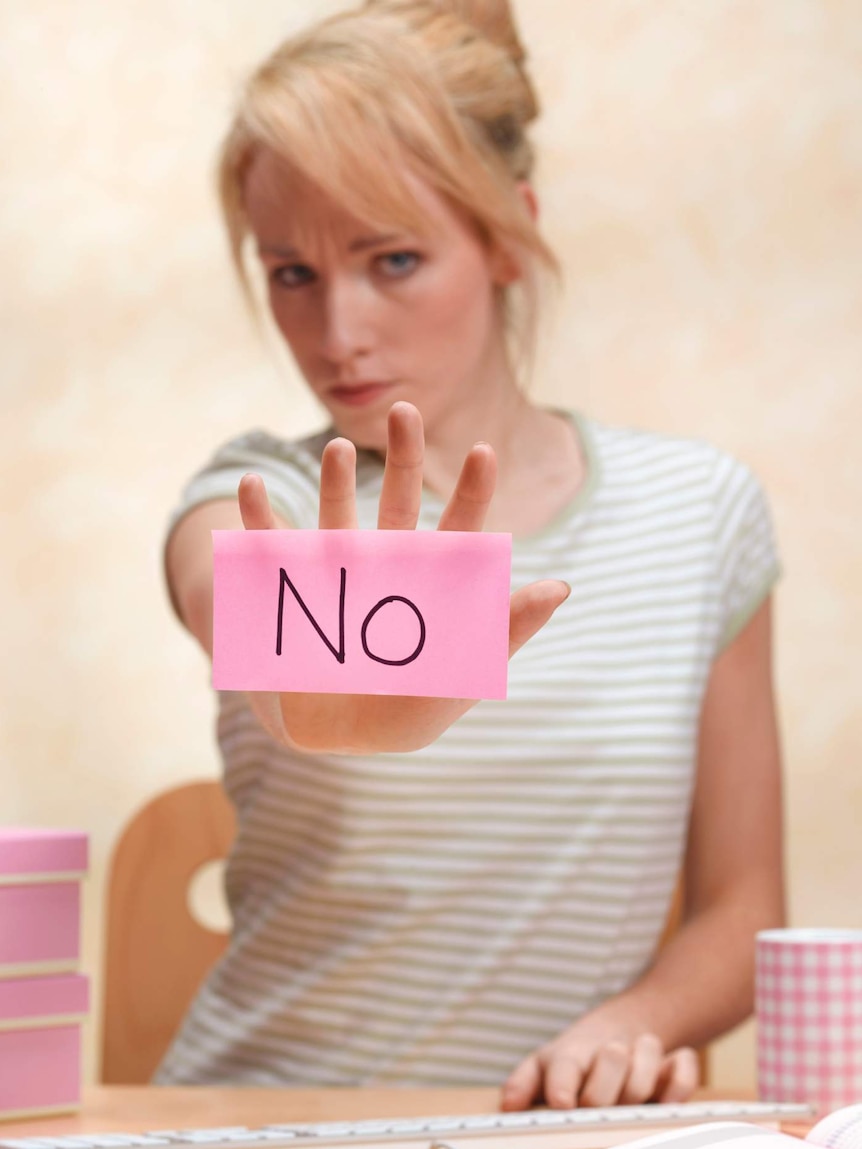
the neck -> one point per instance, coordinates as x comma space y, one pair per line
501, 422
540, 466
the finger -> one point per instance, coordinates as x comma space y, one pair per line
401, 495
646, 1063
254, 505
471, 498
607, 1075
679, 1076
523, 1085
338, 486
531, 607
564, 1074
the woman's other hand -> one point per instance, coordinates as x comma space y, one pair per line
581, 1068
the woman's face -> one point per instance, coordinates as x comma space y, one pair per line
373, 316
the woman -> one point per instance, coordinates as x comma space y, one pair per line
426, 891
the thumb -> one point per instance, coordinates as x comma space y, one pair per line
531, 607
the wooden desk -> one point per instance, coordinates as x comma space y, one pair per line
137, 1108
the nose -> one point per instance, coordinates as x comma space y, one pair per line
347, 319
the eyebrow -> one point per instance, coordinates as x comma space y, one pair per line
362, 244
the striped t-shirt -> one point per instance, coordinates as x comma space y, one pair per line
430, 918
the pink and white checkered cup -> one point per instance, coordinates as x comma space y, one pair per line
808, 1004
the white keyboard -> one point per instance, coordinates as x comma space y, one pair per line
535, 1128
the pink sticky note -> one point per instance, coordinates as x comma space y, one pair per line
362, 612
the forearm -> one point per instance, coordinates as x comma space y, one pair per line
702, 982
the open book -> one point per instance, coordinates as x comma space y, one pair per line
839, 1130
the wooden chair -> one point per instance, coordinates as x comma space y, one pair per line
157, 952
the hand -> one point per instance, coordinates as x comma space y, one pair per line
363, 723
576, 1069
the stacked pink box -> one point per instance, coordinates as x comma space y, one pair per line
43, 1000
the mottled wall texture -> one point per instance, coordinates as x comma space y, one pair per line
701, 178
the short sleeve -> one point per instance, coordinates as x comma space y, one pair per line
748, 565
291, 472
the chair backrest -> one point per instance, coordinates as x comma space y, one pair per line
157, 953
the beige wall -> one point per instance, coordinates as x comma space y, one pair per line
701, 179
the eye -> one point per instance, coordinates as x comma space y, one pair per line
398, 264
291, 275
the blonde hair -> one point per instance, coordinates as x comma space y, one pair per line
440, 84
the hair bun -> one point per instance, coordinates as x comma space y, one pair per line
493, 20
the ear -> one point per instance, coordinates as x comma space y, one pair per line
531, 201
505, 268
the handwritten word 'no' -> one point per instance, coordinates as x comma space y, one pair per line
340, 652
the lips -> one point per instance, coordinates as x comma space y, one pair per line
358, 394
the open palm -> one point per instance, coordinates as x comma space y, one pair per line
370, 723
